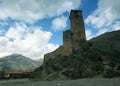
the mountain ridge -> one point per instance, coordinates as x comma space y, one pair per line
17, 62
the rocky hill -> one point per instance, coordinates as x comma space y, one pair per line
17, 62
99, 57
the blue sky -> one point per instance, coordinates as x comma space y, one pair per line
35, 27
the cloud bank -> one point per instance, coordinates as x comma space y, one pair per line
106, 17
32, 43
16, 36
59, 23
31, 10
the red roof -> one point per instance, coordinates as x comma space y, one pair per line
14, 72
29, 71
18, 72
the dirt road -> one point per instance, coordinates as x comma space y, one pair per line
79, 82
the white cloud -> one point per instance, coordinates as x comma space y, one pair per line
34, 44
100, 19
17, 31
59, 23
30, 10
104, 17
88, 34
116, 26
3, 42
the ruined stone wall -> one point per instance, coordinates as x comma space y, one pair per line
67, 45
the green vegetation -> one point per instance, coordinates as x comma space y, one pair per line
2, 74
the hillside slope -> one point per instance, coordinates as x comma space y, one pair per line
108, 44
17, 62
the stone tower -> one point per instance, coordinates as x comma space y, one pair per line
77, 28
73, 38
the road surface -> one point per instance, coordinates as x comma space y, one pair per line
79, 82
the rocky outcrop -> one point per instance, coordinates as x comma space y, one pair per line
85, 62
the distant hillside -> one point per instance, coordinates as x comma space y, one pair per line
99, 57
17, 62
109, 45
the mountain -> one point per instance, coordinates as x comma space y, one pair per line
17, 62
109, 45
98, 57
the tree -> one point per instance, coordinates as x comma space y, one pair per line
2, 74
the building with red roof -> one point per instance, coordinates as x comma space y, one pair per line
17, 74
